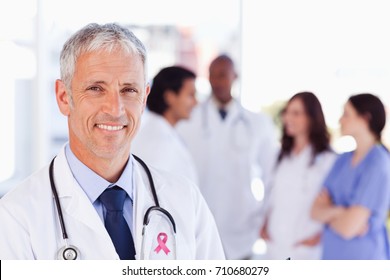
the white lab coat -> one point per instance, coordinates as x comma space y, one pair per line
228, 155
159, 145
294, 187
30, 226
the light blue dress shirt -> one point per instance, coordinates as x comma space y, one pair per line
94, 185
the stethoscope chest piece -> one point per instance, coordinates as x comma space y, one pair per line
68, 253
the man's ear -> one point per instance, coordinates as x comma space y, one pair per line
62, 98
147, 91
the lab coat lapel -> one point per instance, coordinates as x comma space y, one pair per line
75, 204
233, 112
143, 199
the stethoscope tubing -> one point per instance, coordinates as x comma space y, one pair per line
146, 216
57, 200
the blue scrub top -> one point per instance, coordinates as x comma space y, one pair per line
366, 184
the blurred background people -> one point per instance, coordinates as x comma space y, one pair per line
304, 160
231, 147
171, 99
355, 199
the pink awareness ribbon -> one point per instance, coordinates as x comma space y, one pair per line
162, 239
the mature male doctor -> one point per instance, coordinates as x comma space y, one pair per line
96, 201
171, 99
232, 148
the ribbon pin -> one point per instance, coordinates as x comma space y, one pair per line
162, 239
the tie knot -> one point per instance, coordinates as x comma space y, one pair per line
113, 198
222, 113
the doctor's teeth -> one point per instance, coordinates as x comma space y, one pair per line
110, 127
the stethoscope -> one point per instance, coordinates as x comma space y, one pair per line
70, 252
240, 135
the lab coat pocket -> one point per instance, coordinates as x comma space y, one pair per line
159, 240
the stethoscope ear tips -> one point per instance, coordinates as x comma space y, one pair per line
68, 253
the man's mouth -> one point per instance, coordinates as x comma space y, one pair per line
110, 127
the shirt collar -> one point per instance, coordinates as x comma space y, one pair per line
93, 184
227, 107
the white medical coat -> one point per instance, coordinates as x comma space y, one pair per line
228, 155
30, 226
159, 145
295, 185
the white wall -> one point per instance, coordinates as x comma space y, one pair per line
333, 48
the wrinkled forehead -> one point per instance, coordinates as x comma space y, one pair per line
103, 66
112, 56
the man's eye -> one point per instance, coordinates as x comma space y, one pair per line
94, 88
129, 90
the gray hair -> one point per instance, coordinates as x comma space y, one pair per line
95, 37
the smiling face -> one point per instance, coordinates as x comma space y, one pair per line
108, 97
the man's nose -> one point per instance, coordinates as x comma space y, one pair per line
114, 104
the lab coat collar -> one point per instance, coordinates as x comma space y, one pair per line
233, 108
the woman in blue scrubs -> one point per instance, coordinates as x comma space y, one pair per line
355, 199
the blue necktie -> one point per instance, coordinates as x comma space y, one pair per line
222, 113
113, 199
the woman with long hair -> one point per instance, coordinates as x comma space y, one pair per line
355, 199
304, 160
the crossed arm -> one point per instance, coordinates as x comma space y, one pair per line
348, 222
